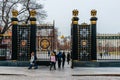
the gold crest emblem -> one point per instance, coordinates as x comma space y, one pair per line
23, 43
84, 42
44, 43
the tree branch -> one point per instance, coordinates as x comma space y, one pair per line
7, 5
27, 7
3, 8
20, 12
6, 28
11, 7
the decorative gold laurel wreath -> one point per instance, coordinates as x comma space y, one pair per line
44, 43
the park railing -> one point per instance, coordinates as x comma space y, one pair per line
108, 46
3, 52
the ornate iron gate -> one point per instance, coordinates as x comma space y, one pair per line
23, 42
23, 37
44, 41
84, 45
83, 38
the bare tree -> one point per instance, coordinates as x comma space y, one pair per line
23, 7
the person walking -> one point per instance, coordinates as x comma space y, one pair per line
101, 55
59, 56
63, 59
68, 57
33, 61
55, 56
52, 61
48, 52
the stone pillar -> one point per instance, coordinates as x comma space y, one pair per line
74, 36
14, 34
33, 31
93, 35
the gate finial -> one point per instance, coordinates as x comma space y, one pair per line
32, 17
93, 18
32, 13
14, 13
75, 18
93, 12
75, 12
14, 17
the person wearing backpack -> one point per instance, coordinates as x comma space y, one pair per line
59, 57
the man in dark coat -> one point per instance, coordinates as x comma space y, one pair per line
63, 59
59, 56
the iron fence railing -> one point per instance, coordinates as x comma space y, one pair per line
108, 46
3, 52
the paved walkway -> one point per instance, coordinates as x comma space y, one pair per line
43, 73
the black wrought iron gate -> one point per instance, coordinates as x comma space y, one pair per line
44, 41
23, 37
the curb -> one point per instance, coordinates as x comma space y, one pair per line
96, 75
13, 74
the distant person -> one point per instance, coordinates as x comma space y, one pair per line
48, 52
33, 61
68, 57
63, 59
52, 61
101, 55
59, 57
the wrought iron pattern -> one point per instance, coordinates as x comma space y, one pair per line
108, 46
84, 39
23, 43
44, 41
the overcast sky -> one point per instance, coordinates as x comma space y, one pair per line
108, 13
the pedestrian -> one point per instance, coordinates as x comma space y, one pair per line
63, 59
33, 61
68, 57
48, 52
55, 56
101, 55
59, 56
52, 61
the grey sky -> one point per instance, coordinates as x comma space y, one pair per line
108, 13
